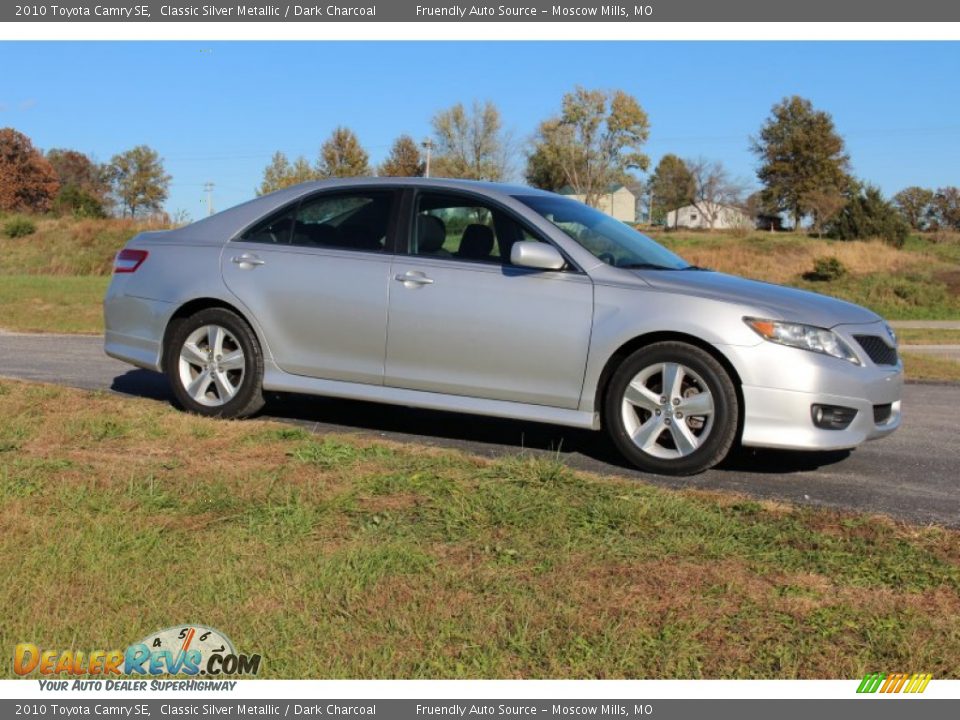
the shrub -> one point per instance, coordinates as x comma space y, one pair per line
73, 200
826, 269
19, 227
867, 215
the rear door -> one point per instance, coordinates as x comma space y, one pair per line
464, 321
316, 277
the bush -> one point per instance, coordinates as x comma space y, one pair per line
19, 227
826, 269
867, 215
79, 203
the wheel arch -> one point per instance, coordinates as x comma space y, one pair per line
640, 341
191, 307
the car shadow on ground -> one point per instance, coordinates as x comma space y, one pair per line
476, 434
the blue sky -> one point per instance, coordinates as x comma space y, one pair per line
218, 110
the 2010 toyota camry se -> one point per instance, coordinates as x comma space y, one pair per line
496, 300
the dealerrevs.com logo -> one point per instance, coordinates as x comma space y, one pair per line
192, 650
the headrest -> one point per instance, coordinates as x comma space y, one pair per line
431, 233
477, 241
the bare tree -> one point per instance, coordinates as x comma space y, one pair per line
714, 190
823, 206
471, 143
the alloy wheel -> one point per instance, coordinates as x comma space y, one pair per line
212, 365
668, 410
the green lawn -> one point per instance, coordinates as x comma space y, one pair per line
341, 557
928, 367
52, 303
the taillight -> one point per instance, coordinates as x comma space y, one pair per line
129, 260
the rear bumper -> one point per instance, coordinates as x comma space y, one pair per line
134, 329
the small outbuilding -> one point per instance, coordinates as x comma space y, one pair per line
618, 202
709, 216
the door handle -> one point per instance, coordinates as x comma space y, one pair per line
413, 277
246, 259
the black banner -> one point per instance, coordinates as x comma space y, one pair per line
523, 11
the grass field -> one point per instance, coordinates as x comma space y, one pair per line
928, 336
52, 303
919, 282
930, 368
67, 246
346, 557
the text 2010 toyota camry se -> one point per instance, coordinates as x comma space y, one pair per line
497, 300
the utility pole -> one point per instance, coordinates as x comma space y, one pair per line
428, 146
208, 189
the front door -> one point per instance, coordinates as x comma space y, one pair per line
464, 321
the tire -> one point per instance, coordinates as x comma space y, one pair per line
684, 431
233, 386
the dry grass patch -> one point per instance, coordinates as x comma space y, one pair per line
69, 246
782, 262
917, 366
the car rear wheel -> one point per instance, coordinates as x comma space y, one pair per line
215, 365
671, 408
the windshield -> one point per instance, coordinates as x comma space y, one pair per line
607, 239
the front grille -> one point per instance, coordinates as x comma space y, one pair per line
877, 349
881, 413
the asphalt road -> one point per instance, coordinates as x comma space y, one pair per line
912, 475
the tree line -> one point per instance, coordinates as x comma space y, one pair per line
65, 181
595, 140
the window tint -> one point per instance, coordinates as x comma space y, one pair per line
275, 229
348, 221
463, 228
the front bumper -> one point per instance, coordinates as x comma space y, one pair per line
780, 384
782, 419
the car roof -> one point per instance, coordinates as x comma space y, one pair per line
226, 224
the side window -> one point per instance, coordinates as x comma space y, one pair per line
347, 221
274, 230
463, 228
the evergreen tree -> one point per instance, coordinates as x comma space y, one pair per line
800, 153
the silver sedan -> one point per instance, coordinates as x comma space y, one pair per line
496, 300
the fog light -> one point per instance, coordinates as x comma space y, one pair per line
832, 417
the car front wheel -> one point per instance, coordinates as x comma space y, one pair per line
671, 408
215, 365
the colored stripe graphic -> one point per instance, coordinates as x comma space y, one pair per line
894, 683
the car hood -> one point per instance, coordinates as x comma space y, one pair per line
776, 301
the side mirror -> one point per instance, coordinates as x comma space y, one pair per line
539, 255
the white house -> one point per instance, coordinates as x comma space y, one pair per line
704, 216
617, 202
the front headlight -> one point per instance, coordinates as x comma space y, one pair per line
890, 333
805, 337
